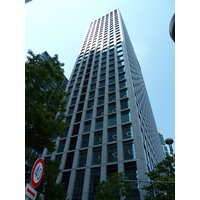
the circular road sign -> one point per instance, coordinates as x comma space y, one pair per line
37, 172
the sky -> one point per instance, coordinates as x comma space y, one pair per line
59, 27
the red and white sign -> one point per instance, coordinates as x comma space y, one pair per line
37, 172
30, 192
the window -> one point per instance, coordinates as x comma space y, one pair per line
69, 161
124, 104
99, 124
87, 126
129, 151
111, 73
123, 93
120, 58
88, 114
101, 91
65, 180
111, 80
71, 110
111, 88
75, 93
76, 129
101, 100
93, 86
85, 140
127, 131
61, 146
73, 143
112, 135
121, 69
112, 97
112, 107
120, 63
82, 158
90, 103
96, 156
122, 76
102, 83
111, 120
91, 95
112, 153
100, 111
94, 79
122, 84
98, 138
102, 76
125, 117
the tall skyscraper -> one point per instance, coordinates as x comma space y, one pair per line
162, 140
112, 127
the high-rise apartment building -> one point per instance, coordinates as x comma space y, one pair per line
112, 127
162, 140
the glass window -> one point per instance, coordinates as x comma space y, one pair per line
125, 117
111, 73
102, 83
71, 110
90, 103
127, 131
102, 76
73, 143
122, 76
61, 146
97, 137
82, 158
111, 66
101, 91
87, 126
112, 107
111, 97
112, 153
123, 93
85, 140
93, 86
101, 100
129, 151
120, 58
112, 80
69, 161
112, 135
122, 84
112, 120
120, 63
103, 70
121, 69
75, 93
91, 95
96, 156
124, 104
100, 111
88, 114
111, 88
94, 79
99, 124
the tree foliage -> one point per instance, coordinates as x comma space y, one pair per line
44, 100
162, 181
115, 188
48, 187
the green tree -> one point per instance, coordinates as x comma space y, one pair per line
44, 101
162, 181
48, 187
115, 189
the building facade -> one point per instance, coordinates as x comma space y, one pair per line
162, 140
112, 127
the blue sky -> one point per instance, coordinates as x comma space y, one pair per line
59, 27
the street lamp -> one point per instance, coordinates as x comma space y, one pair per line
170, 141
